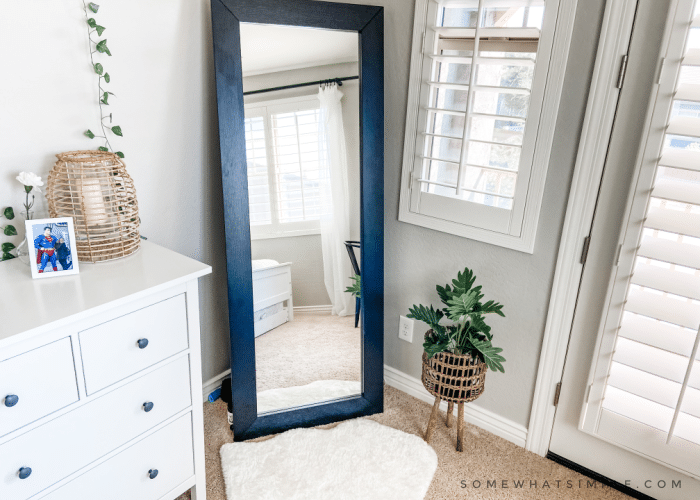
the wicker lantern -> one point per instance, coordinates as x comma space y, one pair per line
94, 189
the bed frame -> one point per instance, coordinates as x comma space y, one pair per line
272, 285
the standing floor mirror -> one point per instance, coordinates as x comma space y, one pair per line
301, 125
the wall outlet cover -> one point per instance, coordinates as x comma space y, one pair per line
406, 329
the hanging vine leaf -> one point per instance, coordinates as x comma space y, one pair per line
10, 230
91, 22
89, 134
6, 247
102, 148
93, 7
117, 130
104, 98
98, 68
119, 154
100, 30
7, 256
106, 77
102, 47
9, 213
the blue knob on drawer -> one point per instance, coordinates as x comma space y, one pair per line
147, 406
11, 400
153, 473
142, 343
25, 472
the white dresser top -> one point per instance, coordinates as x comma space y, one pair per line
30, 306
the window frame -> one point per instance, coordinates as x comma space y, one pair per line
518, 232
261, 109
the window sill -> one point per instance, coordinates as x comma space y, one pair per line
284, 234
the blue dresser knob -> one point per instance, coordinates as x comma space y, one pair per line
142, 343
11, 400
25, 472
153, 473
147, 406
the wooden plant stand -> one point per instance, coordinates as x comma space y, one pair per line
456, 379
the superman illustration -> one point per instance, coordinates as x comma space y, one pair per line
45, 250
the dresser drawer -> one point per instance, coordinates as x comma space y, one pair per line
111, 352
35, 384
126, 475
77, 438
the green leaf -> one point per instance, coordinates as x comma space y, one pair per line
102, 47
93, 7
464, 281
107, 77
445, 293
89, 134
9, 213
462, 306
121, 155
91, 22
355, 289
492, 307
10, 230
117, 130
429, 316
7, 246
28, 189
98, 68
491, 355
102, 148
104, 98
100, 30
7, 256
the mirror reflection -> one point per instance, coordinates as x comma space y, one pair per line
303, 154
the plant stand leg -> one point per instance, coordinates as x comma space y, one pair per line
450, 411
460, 427
432, 421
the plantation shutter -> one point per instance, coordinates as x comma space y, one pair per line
646, 390
481, 97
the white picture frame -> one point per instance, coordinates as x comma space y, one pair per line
52, 258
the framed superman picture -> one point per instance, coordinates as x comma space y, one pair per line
52, 247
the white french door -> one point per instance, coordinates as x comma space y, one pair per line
630, 405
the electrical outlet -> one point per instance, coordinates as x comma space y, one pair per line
405, 329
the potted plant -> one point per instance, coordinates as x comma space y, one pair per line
457, 355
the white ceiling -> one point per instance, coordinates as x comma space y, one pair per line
268, 49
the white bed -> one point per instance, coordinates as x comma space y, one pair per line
272, 294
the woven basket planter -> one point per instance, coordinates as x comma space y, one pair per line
94, 189
454, 378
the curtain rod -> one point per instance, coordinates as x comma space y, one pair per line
339, 81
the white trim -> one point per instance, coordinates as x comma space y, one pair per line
595, 137
525, 241
322, 309
495, 424
473, 414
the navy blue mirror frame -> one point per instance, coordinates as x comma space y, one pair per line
368, 22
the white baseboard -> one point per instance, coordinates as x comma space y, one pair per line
489, 421
212, 384
495, 424
313, 309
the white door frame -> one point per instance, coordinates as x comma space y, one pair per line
613, 45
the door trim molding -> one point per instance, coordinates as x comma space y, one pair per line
613, 44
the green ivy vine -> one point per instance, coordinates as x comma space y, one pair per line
102, 76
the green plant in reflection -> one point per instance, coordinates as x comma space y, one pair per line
356, 287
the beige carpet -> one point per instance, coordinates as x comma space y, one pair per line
486, 458
329, 347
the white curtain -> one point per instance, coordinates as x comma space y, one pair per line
335, 218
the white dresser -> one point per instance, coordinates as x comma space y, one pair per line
100, 381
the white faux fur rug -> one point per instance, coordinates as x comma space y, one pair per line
315, 392
356, 460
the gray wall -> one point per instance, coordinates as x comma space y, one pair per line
305, 251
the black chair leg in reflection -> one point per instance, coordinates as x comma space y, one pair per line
350, 247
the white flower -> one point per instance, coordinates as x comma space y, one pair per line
31, 180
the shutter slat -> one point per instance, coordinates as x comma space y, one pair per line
637, 408
502, 90
692, 57
664, 308
688, 92
688, 428
666, 280
673, 221
684, 125
675, 190
646, 385
490, 3
686, 159
651, 360
487, 32
500, 117
659, 334
670, 251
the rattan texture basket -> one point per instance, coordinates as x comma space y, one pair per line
454, 378
94, 188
